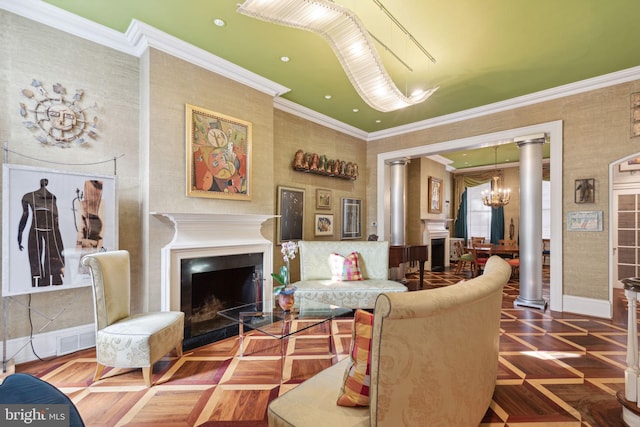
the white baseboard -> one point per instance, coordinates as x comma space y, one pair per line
48, 344
587, 306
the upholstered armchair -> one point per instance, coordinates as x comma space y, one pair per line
124, 340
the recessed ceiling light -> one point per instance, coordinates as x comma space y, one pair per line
327, 97
355, 110
285, 59
219, 22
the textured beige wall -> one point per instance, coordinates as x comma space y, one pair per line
172, 83
292, 133
33, 51
596, 132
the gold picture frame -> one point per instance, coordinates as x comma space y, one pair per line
435, 195
218, 154
324, 199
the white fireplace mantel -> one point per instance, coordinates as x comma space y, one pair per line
203, 234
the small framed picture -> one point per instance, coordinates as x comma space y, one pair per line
291, 211
324, 199
630, 165
435, 195
324, 225
351, 218
585, 190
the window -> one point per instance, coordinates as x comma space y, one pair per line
478, 215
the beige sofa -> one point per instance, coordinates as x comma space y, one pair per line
315, 274
434, 361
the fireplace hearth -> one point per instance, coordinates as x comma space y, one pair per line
211, 284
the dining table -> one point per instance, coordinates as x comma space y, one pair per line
511, 250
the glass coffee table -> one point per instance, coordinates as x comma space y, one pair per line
267, 317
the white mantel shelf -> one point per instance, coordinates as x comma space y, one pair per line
209, 229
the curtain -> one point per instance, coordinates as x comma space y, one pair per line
497, 224
460, 225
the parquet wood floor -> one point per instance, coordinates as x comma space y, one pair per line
556, 369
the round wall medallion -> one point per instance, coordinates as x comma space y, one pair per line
57, 119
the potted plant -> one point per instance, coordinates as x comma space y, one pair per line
284, 291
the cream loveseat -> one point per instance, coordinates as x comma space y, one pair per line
315, 274
434, 361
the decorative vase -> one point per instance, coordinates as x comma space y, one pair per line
287, 298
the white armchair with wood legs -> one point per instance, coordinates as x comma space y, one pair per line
125, 340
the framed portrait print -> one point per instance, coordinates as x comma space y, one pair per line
324, 199
323, 225
585, 190
351, 218
435, 195
291, 211
218, 155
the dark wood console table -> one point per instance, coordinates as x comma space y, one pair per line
408, 253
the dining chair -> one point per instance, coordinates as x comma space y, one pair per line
481, 254
125, 340
464, 257
475, 240
507, 242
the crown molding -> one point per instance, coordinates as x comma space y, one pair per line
606, 80
136, 40
315, 117
54, 17
142, 36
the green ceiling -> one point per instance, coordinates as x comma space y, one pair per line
486, 51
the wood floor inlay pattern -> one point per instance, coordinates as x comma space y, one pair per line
554, 369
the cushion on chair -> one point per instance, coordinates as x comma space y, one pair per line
139, 340
357, 377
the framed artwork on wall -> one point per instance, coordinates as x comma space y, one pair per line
584, 221
291, 214
351, 218
324, 199
323, 225
435, 195
585, 190
58, 217
218, 155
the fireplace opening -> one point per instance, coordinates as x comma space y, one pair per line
211, 284
437, 254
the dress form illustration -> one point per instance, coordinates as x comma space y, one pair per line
89, 221
45, 247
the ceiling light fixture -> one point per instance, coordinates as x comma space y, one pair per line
497, 196
350, 41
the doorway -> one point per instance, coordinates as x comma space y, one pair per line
552, 129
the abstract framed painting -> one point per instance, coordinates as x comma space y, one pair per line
218, 155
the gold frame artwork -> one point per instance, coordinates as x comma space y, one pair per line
435, 195
218, 154
324, 199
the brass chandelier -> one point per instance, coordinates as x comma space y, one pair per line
497, 196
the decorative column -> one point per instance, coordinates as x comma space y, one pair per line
531, 222
397, 199
630, 410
